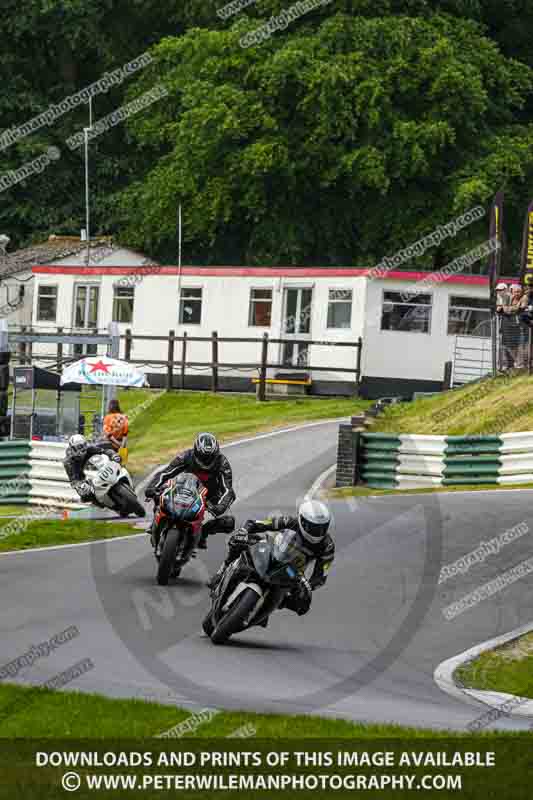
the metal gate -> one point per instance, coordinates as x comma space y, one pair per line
472, 359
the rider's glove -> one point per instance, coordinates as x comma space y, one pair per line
150, 493
84, 490
240, 537
304, 596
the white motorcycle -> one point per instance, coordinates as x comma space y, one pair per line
112, 486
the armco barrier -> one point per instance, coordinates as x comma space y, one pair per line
390, 461
33, 472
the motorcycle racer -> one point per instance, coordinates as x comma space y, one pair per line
79, 451
312, 524
210, 466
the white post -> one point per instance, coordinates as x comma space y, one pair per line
113, 351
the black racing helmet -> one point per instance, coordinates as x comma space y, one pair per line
206, 450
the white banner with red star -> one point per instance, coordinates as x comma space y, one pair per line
103, 371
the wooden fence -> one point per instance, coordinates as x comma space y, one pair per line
176, 363
262, 364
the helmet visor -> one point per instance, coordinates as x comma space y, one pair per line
315, 531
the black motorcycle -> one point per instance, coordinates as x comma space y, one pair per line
180, 515
254, 585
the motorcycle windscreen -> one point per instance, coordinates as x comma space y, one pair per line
187, 482
260, 554
182, 500
286, 551
183, 508
280, 555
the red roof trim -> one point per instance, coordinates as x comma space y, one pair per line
258, 272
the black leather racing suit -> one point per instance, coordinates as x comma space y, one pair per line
218, 480
75, 465
323, 554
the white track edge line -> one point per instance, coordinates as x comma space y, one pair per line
443, 675
64, 546
322, 478
145, 481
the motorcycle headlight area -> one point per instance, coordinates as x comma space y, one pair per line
181, 508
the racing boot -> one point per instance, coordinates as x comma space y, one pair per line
202, 541
153, 532
217, 577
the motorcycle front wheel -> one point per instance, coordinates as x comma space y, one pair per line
126, 500
167, 559
232, 621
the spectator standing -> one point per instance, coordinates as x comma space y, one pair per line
116, 428
517, 306
503, 301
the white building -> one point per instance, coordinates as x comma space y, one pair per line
17, 276
409, 331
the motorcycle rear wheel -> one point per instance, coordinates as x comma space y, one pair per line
167, 558
232, 621
127, 501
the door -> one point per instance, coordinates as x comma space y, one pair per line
86, 315
296, 325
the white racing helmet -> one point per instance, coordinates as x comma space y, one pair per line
78, 444
313, 519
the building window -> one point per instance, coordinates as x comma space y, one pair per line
191, 307
402, 311
340, 308
468, 316
47, 304
86, 297
123, 304
260, 312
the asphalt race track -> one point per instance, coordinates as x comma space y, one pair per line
367, 649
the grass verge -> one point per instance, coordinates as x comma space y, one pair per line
508, 668
14, 511
36, 713
174, 419
491, 406
46, 533
365, 491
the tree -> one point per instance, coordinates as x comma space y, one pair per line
339, 141
52, 49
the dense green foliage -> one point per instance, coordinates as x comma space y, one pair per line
343, 138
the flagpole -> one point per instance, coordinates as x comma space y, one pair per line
495, 235
179, 259
86, 132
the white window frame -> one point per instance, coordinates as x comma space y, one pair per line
88, 285
194, 299
47, 286
336, 300
465, 308
406, 303
116, 288
250, 301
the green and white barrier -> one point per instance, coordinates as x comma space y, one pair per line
389, 461
32, 472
